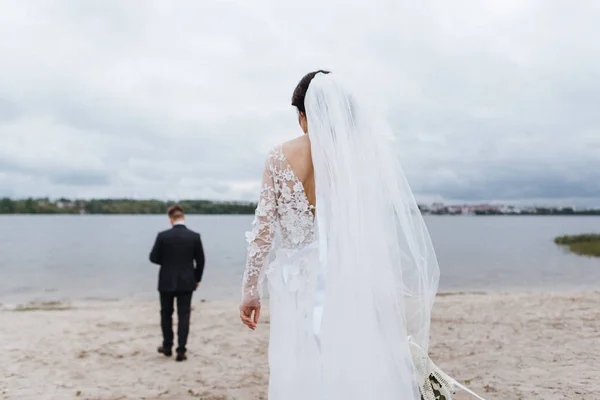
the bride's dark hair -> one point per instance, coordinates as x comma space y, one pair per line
302, 88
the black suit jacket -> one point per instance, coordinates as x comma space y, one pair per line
176, 250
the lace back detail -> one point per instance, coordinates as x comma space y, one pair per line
283, 207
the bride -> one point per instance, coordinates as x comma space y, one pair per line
354, 275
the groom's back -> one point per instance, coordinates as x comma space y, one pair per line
178, 244
179, 253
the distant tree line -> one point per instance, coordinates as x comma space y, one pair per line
130, 206
542, 211
119, 206
440, 209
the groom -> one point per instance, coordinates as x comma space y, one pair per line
176, 250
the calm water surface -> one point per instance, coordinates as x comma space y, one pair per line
78, 257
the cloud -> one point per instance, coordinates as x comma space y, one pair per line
490, 100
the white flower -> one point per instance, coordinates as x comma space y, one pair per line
252, 250
264, 207
250, 236
303, 207
286, 193
267, 205
288, 175
298, 187
283, 208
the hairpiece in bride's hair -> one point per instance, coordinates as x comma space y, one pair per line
302, 88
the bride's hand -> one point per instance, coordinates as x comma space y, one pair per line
249, 314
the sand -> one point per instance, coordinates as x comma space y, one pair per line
503, 345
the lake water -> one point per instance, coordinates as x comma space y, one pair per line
79, 257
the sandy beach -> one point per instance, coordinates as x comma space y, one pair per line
502, 345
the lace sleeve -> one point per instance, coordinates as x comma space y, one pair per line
260, 238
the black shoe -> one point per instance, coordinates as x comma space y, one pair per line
165, 351
181, 357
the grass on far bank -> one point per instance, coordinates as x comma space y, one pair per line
585, 245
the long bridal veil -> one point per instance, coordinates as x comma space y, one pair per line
378, 262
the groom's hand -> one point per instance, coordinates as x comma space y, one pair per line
197, 284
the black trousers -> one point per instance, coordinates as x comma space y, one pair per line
184, 305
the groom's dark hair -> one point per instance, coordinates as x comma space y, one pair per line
175, 212
302, 88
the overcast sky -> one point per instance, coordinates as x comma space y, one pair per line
490, 100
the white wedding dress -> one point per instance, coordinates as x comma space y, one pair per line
284, 208
351, 282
